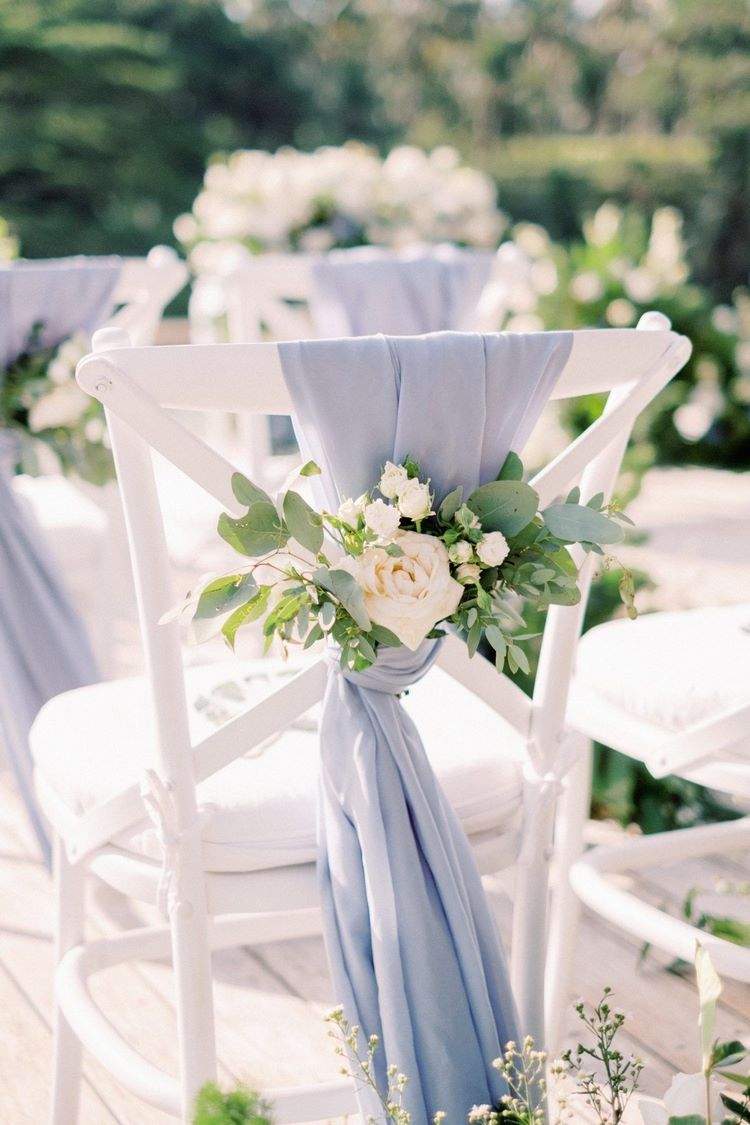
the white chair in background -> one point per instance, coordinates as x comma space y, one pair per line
671, 690
77, 520
267, 297
231, 858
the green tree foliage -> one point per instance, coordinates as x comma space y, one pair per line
109, 109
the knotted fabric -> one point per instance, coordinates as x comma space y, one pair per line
43, 645
370, 289
415, 957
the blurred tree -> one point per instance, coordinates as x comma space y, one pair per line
110, 108
109, 111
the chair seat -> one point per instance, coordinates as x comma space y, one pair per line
259, 811
639, 682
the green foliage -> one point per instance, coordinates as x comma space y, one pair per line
237, 1107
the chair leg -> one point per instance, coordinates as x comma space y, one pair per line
69, 931
194, 993
573, 811
529, 942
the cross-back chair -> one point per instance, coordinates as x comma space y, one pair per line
245, 874
681, 705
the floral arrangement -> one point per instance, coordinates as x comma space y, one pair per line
406, 564
58, 426
622, 267
255, 201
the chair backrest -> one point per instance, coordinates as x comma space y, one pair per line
138, 386
144, 289
270, 293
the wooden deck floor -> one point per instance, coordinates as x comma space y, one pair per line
270, 1000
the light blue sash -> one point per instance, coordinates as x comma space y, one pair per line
414, 953
43, 645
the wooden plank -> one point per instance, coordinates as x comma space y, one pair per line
25, 1063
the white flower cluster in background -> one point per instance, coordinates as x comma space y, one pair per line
254, 201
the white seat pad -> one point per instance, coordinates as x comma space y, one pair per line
670, 669
259, 811
638, 682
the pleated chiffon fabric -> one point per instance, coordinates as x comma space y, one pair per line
44, 649
369, 289
414, 953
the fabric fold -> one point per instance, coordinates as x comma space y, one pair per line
414, 953
371, 289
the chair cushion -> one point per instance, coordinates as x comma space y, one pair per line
259, 811
670, 670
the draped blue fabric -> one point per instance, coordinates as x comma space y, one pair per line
66, 295
414, 954
369, 289
43, 645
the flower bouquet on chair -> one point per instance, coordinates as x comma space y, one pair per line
395, 566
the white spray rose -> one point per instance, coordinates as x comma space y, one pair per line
411, 593
415, 500
468, 573
350, 511
460, 552
393, 480
382, 519
63, 406
492, 549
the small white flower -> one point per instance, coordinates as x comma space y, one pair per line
492, 549
460, 552
415, 500
393, 480
63, 406
350, 511
468, 573
382, 518
479, 1112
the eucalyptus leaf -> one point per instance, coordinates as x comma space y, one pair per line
310, 469
224, 594
451, 504
504, 505
474, 637
345, 589
247, 492
575, 523
305, 525
251, 611
384, 636
512, 468
259, 532
688, 1119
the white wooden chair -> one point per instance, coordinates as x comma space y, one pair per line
231, 858
76, 520
671, 690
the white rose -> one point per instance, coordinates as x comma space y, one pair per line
492, 549
394, 478
382, 518
685, 1097
350, 511
460, 552
415, 500
411, 593
468, 573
